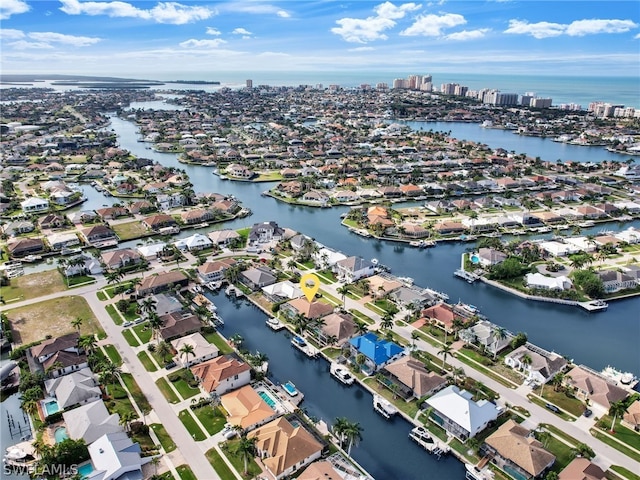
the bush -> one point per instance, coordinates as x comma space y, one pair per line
174, 377
53, 418
139, 428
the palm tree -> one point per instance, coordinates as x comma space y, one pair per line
126, 418
543, 437
87, 343
245, 447
444, 351
387, 321
236, 340
156, 323
458, 374
499, 333
361, 328
163, 350
339, 428
113, 276
525, 361
617, 409
352, 434
185, 351
557, 381
77, 323
343, 292
148, 305
109, 374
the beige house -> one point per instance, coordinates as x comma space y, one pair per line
631, 418
222, 374
413, 378
581, 469
592, 387
202, 349
246, 408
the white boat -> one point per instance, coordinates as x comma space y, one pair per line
342, 374
475, 473
374, 261
406, 280
423, 437
383, 406
213, 286
274, 324
32, 258
594, 305
624, 379
468, 276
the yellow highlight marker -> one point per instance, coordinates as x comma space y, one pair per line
309, 284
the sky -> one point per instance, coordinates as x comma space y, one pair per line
159, 40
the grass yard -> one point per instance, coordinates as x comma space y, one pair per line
327, 276
147, 362
361, 316
329, 298
135, 392
570, 404
167, 391
113, 354
268, 177
80, 280
238, 462
130, 230
131, 340
185, 390
410, 408
113, 313
190, 424
144, 332
163, 437
219, 342
219, 465
623, 435
52, 317
563, 452
211, 417
185, 473
34, 285
624, 472
101, 296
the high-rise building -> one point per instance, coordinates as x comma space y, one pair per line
249, 83
540, 103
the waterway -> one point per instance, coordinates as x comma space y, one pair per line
386, 451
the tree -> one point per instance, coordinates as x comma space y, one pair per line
87, 343
361, 328
77, 323
185, 351
617, 409
148, 305
339, 428
526, 361
387, 321
126, 418
113, 276
163, 350
343, 292
352, 434
583, 450
444, 351
246, 448
557, 381
156, 323
499, 333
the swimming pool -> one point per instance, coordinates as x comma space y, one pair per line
50, 406
475, 259
85, 470
60, 434
514, 473
267, 399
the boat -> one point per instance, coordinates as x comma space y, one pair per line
213, 286
468, 276
274, 324
342, 374
374, 261
21, 455
475, 473
202, 225
32, 258
594, 305
408, 281
70, 251
290, 388
298, 342
383, 407
626, 379
436, 293
414, 243
423, 437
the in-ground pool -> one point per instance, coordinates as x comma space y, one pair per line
50, 406
514, 473
60, 434
85, 470
475, 259
268, 399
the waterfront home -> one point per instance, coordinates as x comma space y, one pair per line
246, 408
536, 364
177, 324
25, 246
590, 212
57, 241
156, 222
514, 447
50, 221
257, 277
345, 196
377, 352
581, 468
631, 418
630, 235
442, 315
265, 232
547, 217
412, 297
488, 257
151, 251
222, 374
77, 388
112, 213
321, 470
537, 280
614, 280
299, 242
161, 282
165, 303
199, 215
283, 449
588, 385
15, 228
99, 235
202, 349
90, 266
448, 227
83, 216
114, 456
124, 257
487, 336
302, 306
581, 243
141, 207
239, 171
194, 243
411, 378
327, 257
165, 201
91, 421
412, 230
34, 205
461, 416
335, 329
353, 268
281, 291
214, 271
558, 249
316, 197
223, 237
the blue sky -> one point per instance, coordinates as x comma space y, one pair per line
150, 39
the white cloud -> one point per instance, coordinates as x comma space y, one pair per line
164, 12
52, 37
579, 28
273, 54
24, 45
361, 49
468, 34
432, 25
11, 34
363, 30
637, 37
241, 31
213, 31
283, 14
193, 43
12, 7
255, 8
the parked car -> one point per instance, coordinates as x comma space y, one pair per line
139, 320
127, 324
553, 408
170, 365
587, 413
228, 432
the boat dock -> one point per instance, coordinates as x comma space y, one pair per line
300, 343
467, 276
274, 324
233, 291
594, 305
384, 407
426, 440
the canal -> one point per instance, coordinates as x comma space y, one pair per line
386, 453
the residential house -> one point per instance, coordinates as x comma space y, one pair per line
112, 213
353, 268
199, 215
257, 277
223, 237
246, 408
336, 329
442, 315
51, 220
99, 236
581, 468
411, 230
114, 456
81, 217
487, 336
177, 324
222, 374
77, 388
537, 364
194, 243
91, 421
302, 306
162, 281
283, 448
25, 246
265, 232
141, 207
378, 352
90, 266
165, 201
316, 197
614, 280
165, 304
461, 416
537, 280
161, 220
412, 379
299, 242
631, 418
214, 271
281, 291
34, 205
412, 297
124, 257
49, 347
448, 227
15, 228
239, 171
322, 470
58, 241
514, 446
488, 257
202, 349
588, 385
345, 196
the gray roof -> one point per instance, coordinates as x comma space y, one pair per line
259, 276
91, 421
115, 457
77, 387
355, 264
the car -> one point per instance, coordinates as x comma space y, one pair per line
170, 365
127, 324
228, 432
587, 413
139, 320
553, 408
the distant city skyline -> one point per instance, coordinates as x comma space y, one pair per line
149, 39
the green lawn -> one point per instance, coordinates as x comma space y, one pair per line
131, 340
570, 404
130, 230
462, 356
79, 280
167, 391
219, 465
121, 404
238, 462
183, 386
603, 437
163, 436
327, 276
330, 298
562, 451
135, 392
192, 427
374, 308
218, 341
147, 362
624, 472
131, 314
113, 354
622, 433
361, 316
185, 473
211, 417
410, 408
101, 296
144, 332
113, 313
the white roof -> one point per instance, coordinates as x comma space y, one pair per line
539, 280
201, 347
458, 406
557, 248
113, 455
333, 257
32, 201
195, 240
151, 250
62, 237
283, 289
90, 422
583, 243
